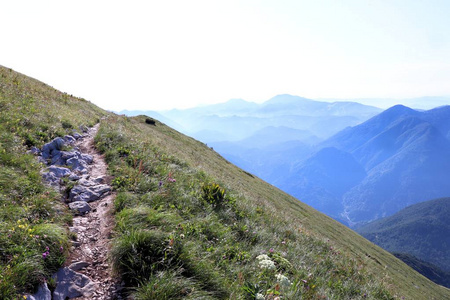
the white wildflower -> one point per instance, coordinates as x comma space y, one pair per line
262, 257
283, 281
266, 264
259, 296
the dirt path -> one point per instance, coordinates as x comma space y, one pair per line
94, 230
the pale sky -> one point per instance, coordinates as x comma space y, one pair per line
166, 54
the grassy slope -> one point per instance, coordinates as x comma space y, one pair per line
31, 215
332, 258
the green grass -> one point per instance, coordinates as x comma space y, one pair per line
32, 219
206, 222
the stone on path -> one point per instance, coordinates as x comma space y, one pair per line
43, 293
80, 207
70, 284
76, 266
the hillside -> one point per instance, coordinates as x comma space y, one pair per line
188, 223
420, 230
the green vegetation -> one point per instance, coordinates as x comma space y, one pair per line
33, 234
183, 233
189, 225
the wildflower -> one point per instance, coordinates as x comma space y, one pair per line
271, 250
160, 183
283, 281
259, 296
170, 179
262, 257
61, 249
266, 264
45, 254
182, 236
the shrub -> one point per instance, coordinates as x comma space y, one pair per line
213, 194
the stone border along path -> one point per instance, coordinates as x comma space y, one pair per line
87, 273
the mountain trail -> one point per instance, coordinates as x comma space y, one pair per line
93, 230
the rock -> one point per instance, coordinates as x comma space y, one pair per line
100, 179
43, 293
53, 174
48, 149
88, 191
70, 284
78, 164
78, 265
76, 135
74, 177
34, 150
69, 139
80, 207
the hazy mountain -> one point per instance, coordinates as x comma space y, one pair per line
421, 229
422, 103
404, 154
323, 178
238, 119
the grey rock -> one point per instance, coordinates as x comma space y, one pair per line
53, 174
74, 177
34, 150
80, 207
100, 179
77, 164
43, 293
59, 171
88, 190
70, 284
78, 265
47, 149
69, 139
76, 135
87, 158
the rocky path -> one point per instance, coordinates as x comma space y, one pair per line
93, 229
87, 273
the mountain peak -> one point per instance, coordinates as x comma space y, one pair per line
286, 99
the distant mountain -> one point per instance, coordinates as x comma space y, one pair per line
429, 270
405, 156
271, 136
421, 230
422, 103
323, 178
238, 119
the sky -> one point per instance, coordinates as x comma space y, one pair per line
155, 55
